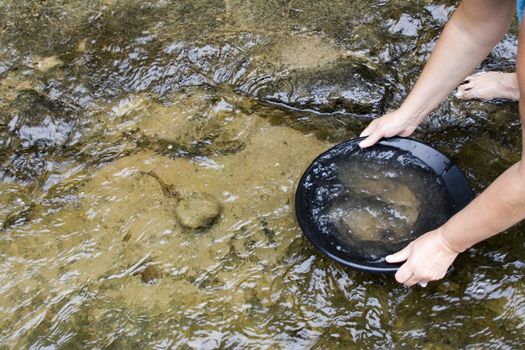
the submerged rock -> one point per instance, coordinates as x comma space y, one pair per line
393, 193
193, 209
383, 187
197, 211
307, 52
150, 274
368, 221
345, 87
193, 123
379, 200
364, 224
45, 64
15, 205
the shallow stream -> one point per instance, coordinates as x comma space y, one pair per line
113, 111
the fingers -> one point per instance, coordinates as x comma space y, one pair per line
409, 276
407, 273
411, 281
404, 274
426, 259
391, 124
371, 140
400, 256
373, 135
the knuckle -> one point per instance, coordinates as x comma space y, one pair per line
427, 277
409, 283
379, 124
413, 266
401, 276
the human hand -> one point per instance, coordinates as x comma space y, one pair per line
426, 259
398, 122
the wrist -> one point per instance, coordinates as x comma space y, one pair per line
447, 243
415, 114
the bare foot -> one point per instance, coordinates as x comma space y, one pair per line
488, 86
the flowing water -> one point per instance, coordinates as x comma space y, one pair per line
112, 113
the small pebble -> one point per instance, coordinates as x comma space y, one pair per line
150, 274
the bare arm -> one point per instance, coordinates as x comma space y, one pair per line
500, 206
474, 29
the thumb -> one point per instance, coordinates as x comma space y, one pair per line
400, 256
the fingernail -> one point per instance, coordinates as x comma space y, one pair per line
388, 257
459, 94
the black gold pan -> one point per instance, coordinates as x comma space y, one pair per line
455, 186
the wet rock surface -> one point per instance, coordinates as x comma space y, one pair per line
349, 88
32, 127
200, 124
15, 205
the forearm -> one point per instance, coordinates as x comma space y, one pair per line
474, 29
429, 256
500, 206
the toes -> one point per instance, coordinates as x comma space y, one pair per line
464, 91
471, 78
467, 87
467, 95
486, 86
474, 77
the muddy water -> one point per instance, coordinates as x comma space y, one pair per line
376, 201
227, 100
